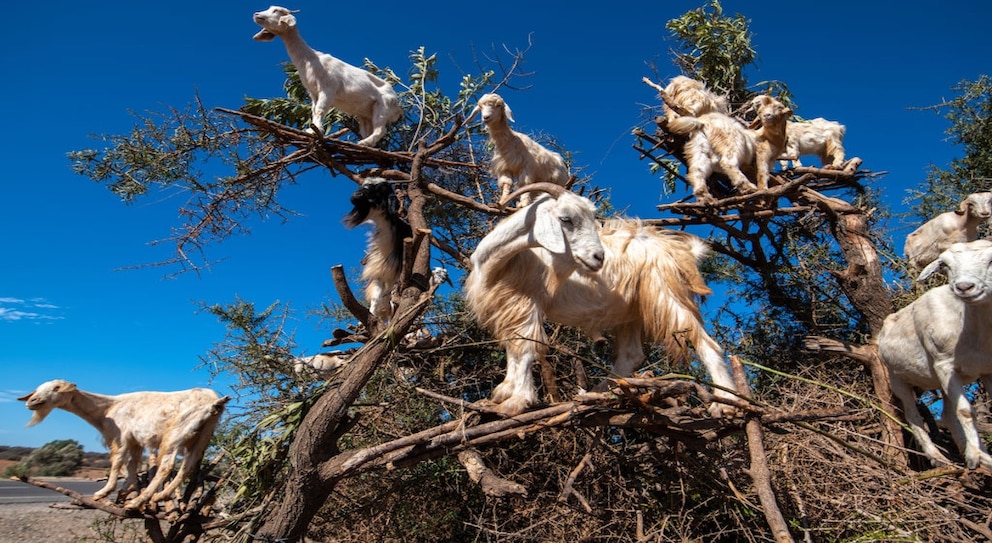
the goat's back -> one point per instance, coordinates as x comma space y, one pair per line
148, 417
650, 278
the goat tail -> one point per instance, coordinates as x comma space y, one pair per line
684, 125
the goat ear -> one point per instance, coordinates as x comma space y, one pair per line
509, 114
288, 20
547, 229
929, 270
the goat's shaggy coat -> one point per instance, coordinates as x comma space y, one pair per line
933, 237
719, 143
332, 82
693, 97
376, 202
171, 423
517, 159
943, 341
628, 279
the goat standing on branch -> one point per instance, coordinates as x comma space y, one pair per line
332, 82
942, 341
925, 244
517, 157
172, 423
552, 260
819, 137
376, 202
720, 143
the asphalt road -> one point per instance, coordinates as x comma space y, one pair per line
18, 492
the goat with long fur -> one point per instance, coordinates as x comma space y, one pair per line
375, 201
553, 260
517, 159
332, 82
819, 137
941, 341
693, 97
171, 423
720, 143
925, 244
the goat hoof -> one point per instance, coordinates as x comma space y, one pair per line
512, 407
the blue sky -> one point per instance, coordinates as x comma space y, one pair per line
71, 308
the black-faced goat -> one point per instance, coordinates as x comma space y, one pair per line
376, 202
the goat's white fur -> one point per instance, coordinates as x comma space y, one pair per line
942, 341
720, 143
332, 82
819, 137
517, 159
171, 423
553, 260
925, 244
322, 365
693, 97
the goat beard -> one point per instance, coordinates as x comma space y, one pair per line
39, 415
264, 35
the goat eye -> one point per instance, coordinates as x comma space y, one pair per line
566, 220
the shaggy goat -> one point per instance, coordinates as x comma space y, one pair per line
332, 82
819, 137
552, 260
516, 156
720, 143
693, 97
171, 423
925, 244
942, 341
376, 202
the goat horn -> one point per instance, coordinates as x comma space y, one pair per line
550, 188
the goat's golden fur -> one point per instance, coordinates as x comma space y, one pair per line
693, 97
648, 287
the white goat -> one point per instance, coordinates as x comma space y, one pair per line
376, 202
819, 137
171, 423
942, 341
552, 260
332, 82
516, 157
720, 143
925, 244
693, 97
322, 365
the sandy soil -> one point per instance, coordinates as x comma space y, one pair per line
41, 523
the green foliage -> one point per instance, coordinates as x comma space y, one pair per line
54, 459
716, 49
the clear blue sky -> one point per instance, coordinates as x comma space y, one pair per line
73, 69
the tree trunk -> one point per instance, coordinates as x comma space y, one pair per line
315, 444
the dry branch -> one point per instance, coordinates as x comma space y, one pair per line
759, 463
491, 484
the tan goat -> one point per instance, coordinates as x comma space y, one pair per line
171, 423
